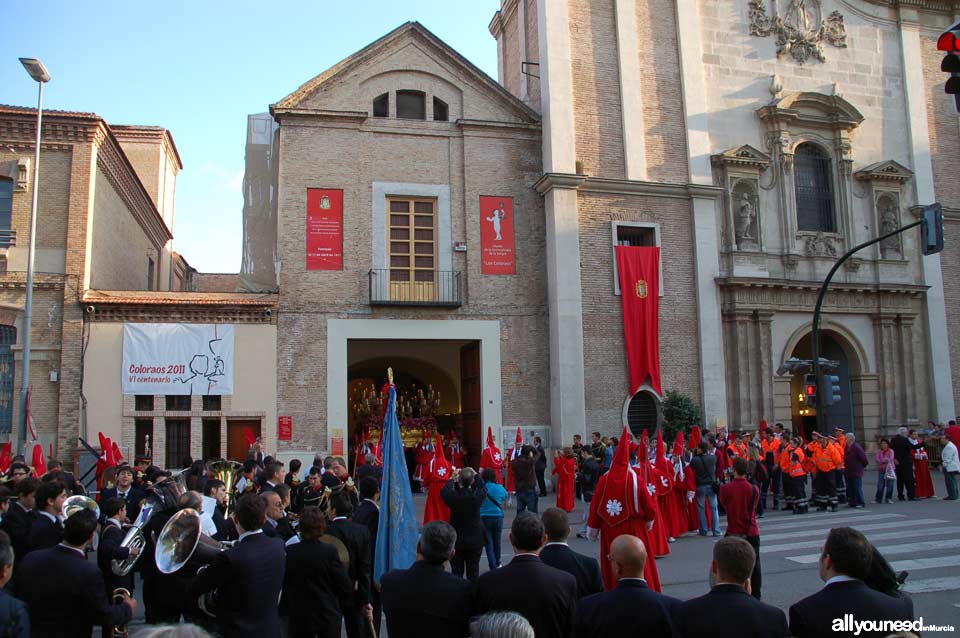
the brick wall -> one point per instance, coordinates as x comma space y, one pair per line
606, 382
596, 87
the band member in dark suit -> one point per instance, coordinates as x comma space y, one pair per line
545, 596
109, 549
154, 610
367, 513
556, 553
276, 523
249, 577
404, 590
312, 491
132, 496
63, 591
631, 608
19, 518
357, 540
316, 583
13, 613
844, 564
464, 495
55, 470
729, 606
47, 530
216, 490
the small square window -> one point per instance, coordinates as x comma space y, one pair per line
143, 437
211, 403
178, 403
411, 105
381, 105
634, 234
441, 112
143, 402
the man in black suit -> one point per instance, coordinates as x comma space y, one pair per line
557, 553
248, 577
217, 490
132, 496
369, 468
63, 591
47, 530
19, 518
404, 591
464, 494
729, 607
55, 470
540, 464
356, 538
545, 596
844, 563
316, 584
630, 609
367, 513
13, 613
109, 549
903, 464
276, 523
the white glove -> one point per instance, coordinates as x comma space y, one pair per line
649, 525
690, 496
593, 534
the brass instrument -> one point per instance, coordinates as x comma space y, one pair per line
119, 595
181, 540
79, 503
134, 538
229, 472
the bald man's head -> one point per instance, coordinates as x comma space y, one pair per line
628, 556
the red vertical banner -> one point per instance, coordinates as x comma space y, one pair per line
497, 249
324, 229
639, 271
285, 428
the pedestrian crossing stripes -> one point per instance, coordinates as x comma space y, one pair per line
818, 543
892, 550
804, 521
899, 524
947, 583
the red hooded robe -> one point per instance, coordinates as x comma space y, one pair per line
566, 470
621, 505
672, 516
491, 457
514, 453
437, 473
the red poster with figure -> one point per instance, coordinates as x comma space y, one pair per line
497, 250
324, 229
285, 428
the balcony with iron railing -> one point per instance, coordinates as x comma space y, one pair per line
8, 237
403, 287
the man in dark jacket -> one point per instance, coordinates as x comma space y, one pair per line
367, 513
556, 553
63, 591
47, 530
403, 591
13, 613
248, 577
729, 607
545, 596
854, 463
844, 563
109, 549
588, 475
630, 609
132, 496
704, 467
464, 495
523, 469
316, 583
540, 464
19, 518
356, 538
903, 463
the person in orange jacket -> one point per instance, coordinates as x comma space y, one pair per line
770, 448
795, 477
841, 436
826, 458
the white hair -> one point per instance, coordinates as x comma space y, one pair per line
186, 630
902, 430
501, 624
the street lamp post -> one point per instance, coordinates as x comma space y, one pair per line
39, 73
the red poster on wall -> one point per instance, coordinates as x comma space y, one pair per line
497, 249
285, 428
324, 229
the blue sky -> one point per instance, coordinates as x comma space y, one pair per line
199, 68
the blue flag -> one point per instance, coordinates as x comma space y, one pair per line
397, 532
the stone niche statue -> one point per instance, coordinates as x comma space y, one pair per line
745, 217
889, 214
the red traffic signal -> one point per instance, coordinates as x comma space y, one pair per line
949, 41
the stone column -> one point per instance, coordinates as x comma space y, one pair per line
766, 370
888, 367
631, 100
908, 388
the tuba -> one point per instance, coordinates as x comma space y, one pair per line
118, 596
79, 503
228, 472
181, 540
134, 538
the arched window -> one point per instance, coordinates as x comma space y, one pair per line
642, 413
381, 105
814, 190
6, 210
412, 105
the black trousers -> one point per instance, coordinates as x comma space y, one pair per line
466, 559
540, 479
355, 621
825, 489
905, 479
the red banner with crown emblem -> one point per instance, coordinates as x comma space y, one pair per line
639, 271
324, 229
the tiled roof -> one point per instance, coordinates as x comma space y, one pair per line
9, 108
167, 298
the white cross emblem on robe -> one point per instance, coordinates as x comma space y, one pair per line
651, 488
614, 507
442, 472
496, 456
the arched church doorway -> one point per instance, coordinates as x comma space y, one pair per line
834, 347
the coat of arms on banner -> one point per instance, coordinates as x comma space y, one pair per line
799, 27
642, 288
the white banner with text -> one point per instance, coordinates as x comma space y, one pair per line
177, 358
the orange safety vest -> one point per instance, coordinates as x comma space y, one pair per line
785, 459
770, 445
796, 466
826, 457
808, 465
842, 445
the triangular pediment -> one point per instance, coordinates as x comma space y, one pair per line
745, 155
885, 171
412, 54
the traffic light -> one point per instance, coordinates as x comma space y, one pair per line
810, 388
931, 228
831, 389
949, 43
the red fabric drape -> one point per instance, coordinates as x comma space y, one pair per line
639, 270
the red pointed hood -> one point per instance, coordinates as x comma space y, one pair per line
678, 444
39, 460
6, 457
620, 496
491, 456
661, 446
519, 439
763, 425
117, 455
490, 441
439, 466
694, 437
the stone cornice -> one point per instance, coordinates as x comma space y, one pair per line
515, 129
586, 183
120, 173
781, 295
175, 313
157, 133
280, 113
951, 214
501, 17
942, 6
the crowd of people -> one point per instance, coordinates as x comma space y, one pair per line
296, 545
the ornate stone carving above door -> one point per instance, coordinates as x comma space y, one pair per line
798, 26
